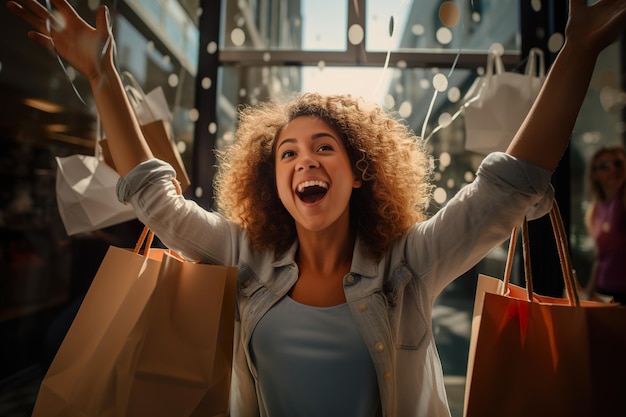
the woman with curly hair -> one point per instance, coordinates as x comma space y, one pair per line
322, 204
606, 222
389, 161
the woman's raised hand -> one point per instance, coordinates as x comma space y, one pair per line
545, 134
81, 45
90, 51
594, 27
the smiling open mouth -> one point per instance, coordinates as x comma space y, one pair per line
312, 191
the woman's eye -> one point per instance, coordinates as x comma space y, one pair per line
287, 154
325, 148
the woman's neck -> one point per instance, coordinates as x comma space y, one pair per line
325, 252
323, 259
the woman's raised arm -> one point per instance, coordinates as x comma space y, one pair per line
90, 51
544, 135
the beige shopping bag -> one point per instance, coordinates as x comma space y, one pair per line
153, 115
532, 355
179, 356
153, 337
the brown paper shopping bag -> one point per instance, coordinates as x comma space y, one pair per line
532, 355
153, 115
114, 302
178, 359
153, 337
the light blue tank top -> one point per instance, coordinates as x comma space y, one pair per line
312, 362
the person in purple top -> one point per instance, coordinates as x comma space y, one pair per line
606, 222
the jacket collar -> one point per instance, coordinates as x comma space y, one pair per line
362, 263
287, 258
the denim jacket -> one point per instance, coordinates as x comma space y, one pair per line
391, 300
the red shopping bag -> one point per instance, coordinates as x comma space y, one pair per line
532, 355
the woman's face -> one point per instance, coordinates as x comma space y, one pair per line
608, 169
314, 176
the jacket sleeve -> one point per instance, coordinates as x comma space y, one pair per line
181, 224
477, 219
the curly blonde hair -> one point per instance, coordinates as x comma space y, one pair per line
385, 154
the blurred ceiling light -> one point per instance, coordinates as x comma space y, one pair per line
59, 128
74, 140
43, 105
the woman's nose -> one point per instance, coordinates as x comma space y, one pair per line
307, 161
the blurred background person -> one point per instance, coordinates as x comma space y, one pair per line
606, 223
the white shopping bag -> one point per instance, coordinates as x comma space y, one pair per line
499, 101
86, 197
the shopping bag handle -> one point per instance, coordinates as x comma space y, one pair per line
562, 248
135, 93
536, 66
564, 256
495, 66
146, 237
